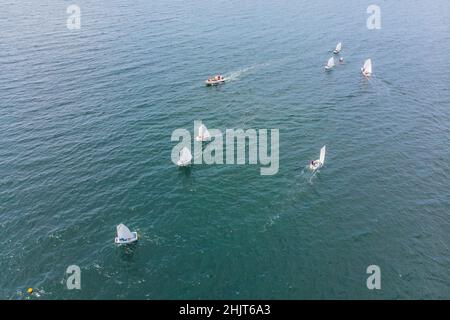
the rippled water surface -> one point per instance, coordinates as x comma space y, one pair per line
86, 118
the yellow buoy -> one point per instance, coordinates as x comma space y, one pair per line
30, 290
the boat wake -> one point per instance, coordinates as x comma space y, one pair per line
302, 186
312, 176
236, 75
383, 86
308, 175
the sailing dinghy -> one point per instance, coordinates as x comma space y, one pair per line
338, 48
317, 164
203, 134
330, 64
185, 157
367, 68
124, 235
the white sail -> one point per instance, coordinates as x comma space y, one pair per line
123, 233
338, 47
367, 68
322, 155
203, 133
185, 156
330, 63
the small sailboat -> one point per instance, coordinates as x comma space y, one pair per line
124, 235
317, 164
203, 134
215, 80
338, 48
367, 68
185, 157
330, 64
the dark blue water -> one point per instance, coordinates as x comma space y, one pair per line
86, 118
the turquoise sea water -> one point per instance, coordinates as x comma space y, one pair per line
86, 118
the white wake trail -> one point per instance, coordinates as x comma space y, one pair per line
236, 75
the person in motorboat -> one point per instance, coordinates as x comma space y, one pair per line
215, 80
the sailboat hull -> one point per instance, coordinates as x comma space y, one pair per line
335, 52
201, 139
126, 241
366, 74
317, 165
